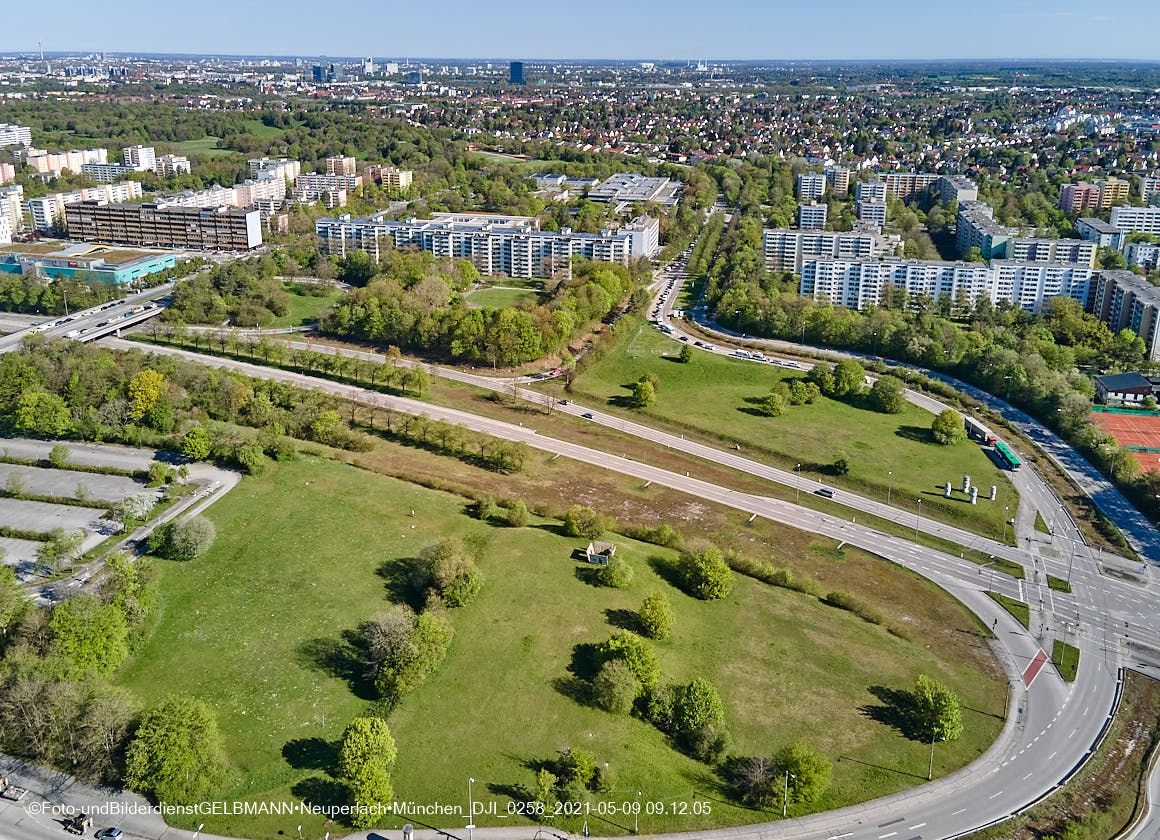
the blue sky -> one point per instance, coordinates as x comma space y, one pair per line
677, 29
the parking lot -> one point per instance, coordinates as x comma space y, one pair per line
38, 481
90, 454
41, 516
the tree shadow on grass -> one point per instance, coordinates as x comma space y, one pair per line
396, 575
668, 570
341, 658
311, 754
583, 662
574, 688
322, 793
624, 619
588, 574
918, 434
885, 770
896, 710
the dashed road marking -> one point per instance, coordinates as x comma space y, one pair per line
992, 796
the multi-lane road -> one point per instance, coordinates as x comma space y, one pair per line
88, 324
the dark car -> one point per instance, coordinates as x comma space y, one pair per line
103, 324
587, 415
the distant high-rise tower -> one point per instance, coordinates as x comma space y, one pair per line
517, 73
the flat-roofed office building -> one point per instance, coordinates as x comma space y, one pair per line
165, 226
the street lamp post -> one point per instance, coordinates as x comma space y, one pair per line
470, 808
785, 797
917, 520
1006, 516
889, 485
636, 815
798, 473
199, 828
930, 767
1008, 378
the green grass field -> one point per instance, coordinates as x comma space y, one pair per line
711, 397
1066, 659
260, 129
1017, 608
304, 308
498, 298
252, 627
505, 160
202, 146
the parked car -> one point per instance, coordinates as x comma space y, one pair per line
108, 833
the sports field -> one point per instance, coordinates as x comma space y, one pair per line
1138, 430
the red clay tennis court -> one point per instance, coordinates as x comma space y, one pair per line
1134, 430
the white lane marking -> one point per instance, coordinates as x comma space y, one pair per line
884, 836
840, 836
1028, 776
1085, 710
916, 827
961, 811
997, 793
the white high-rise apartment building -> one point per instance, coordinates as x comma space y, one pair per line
811, 186
873, 212
15, 135
140, 158
1132, 219
172, 165
857, 284
812, 216
870, 191
282, 168
46, 209
784, 249
12, 206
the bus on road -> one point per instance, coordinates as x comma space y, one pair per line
1006, 456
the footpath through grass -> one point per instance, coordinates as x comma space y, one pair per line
308, 551
712, 398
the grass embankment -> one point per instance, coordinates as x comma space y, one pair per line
712, 398
308, 551
1018, 609
1104, 796
1066, 659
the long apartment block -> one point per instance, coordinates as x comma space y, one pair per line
509, 245
165, 226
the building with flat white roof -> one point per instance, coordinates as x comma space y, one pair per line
46, 209
107, 172
282, 168
15, 135
1129, 219
873, 212
1103, 234
140, 158
785, 249
870, 191
627, 188
811, 186
12, 206
812, 216
495, 244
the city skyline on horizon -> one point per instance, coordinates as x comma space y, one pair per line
649, 31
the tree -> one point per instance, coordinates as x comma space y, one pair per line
183, 539
615, 687
136, 507
176, 754
809, 771
61, 549
937, 715
697, 705
91, 636
195, 444
576, 768
754, 780
144, 391
888, 395
41, 414
706, 574
841, 465
849, 378
635, 652
58, 456
686, 354
401, 649
584, 522
485, 508
446, 569
771, 405
656, 616
14, 602
365, 759
947, 428
643, 394
616, 575
517, 515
